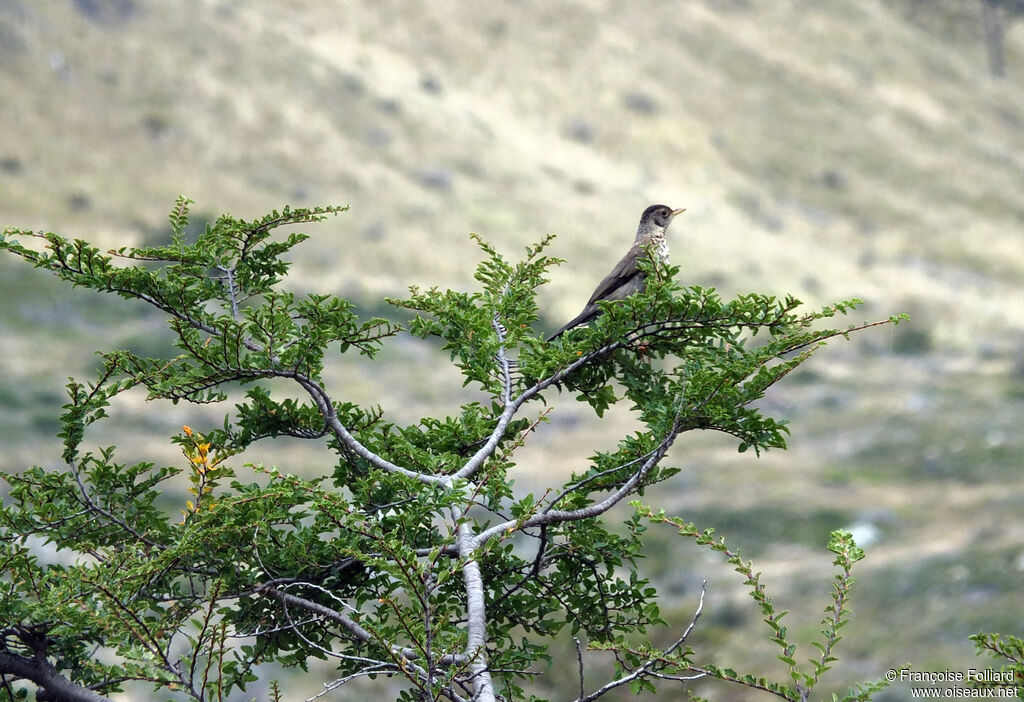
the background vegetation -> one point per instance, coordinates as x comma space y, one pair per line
827, 149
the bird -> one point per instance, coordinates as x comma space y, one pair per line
626, 278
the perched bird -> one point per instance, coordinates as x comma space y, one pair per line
626, 278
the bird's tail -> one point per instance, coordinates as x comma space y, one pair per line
585, 316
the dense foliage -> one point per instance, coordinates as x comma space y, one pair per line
412, 556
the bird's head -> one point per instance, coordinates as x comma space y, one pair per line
654, 220
659, 215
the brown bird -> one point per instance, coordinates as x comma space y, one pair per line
626, 278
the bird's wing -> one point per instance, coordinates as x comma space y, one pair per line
625, 270
624, 280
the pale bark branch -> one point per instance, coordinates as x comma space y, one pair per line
646, 669
350, 625
326, 408
476, 617
41, 672
594, 510
512, 407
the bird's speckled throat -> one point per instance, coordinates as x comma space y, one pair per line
651, 233
660, 242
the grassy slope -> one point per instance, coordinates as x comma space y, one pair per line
827, 149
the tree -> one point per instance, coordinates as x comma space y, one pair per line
411, 557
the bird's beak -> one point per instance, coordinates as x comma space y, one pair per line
676, 213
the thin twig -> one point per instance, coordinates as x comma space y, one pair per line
647, 669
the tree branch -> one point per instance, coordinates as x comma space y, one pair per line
511, 408
647, 668
326, 408
40, 671
594, 510
476, 616
352, 626
93, 507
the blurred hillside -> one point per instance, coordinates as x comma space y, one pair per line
828, 149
